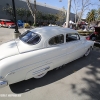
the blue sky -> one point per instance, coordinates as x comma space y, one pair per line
58, 4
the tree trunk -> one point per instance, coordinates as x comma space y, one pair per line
33, 13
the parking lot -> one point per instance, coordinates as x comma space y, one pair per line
7, 34
78, 80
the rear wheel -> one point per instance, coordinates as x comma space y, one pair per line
88, 51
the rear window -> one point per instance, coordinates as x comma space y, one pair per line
30, 37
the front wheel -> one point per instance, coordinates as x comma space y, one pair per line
88, 51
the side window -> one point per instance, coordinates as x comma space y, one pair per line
57, 40
72, 37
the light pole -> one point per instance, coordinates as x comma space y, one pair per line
17, 33
68, 12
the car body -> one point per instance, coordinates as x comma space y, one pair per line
7, 23
38, 51
20, 23
26, 25
95, 36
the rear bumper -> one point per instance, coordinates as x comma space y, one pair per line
3, 84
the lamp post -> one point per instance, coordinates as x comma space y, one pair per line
68, 12
17, 33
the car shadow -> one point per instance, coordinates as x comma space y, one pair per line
93, 84
54, 75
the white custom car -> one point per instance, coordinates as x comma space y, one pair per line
38, 51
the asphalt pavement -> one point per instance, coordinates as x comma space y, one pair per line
78, 80
7, 34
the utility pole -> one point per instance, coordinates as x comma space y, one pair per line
17, 33
68, 13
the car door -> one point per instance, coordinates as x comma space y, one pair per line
73, 47
56, 54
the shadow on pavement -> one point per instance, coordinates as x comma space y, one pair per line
93, 84
66, 70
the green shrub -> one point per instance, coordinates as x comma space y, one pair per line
85, 33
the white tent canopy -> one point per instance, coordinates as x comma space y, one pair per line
71, 22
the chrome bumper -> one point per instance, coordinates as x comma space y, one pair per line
3, 84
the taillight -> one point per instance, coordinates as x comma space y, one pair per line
88, 38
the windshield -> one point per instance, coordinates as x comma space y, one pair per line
30, 37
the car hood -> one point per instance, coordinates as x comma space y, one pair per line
8, 49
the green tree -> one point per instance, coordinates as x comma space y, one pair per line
44, 16
60, 16
20, 12
27, 14
91, 16
39, 15
8, 10
98, 14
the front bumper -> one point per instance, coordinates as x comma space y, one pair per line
3, 84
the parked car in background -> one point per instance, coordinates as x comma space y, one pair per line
7, 23
27, 25
38, 51
20, 23
95, 36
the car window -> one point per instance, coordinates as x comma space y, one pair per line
30, 37
56, 40
72, 37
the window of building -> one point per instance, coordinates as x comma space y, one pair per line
30, 37
72, 37
56, 40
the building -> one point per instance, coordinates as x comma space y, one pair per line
21, 3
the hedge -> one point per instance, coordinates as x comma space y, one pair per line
85, 33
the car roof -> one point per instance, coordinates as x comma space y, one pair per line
5, 19
50, 31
